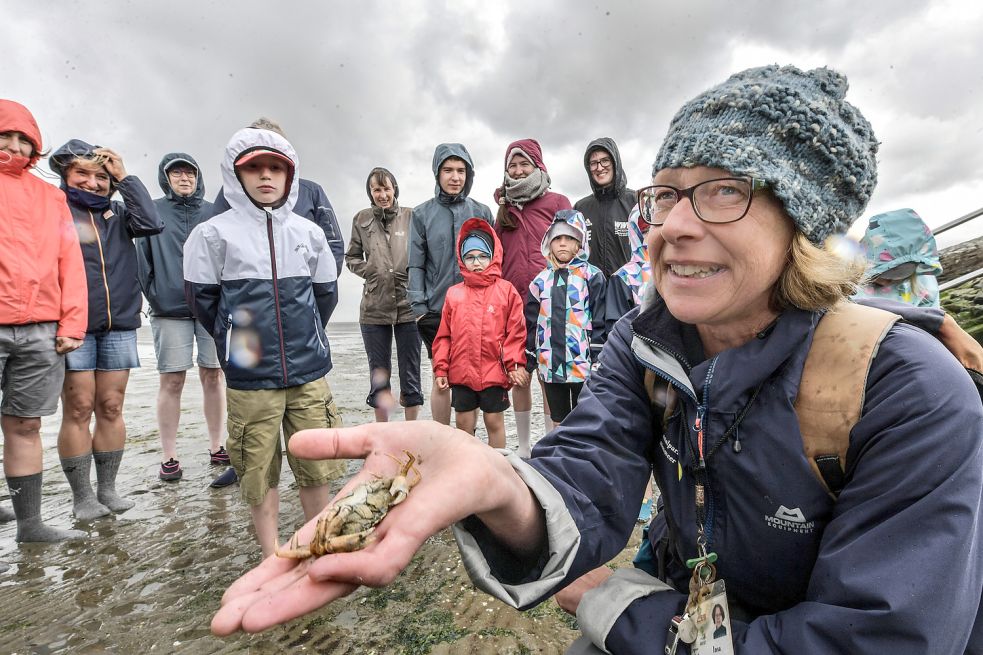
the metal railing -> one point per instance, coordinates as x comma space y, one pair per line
948, 226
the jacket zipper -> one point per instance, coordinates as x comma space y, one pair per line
102, 264
276, 295
317, 333
228, 339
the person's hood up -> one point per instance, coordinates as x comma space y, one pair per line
246, 140
899, 243
392, 178
63, 157
564, 222
532, 148
620, 180
636, 235
172, 159
440, 154
480, 227
16, 117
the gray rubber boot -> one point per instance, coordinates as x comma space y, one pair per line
85, 507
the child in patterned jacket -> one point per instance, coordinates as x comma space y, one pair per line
566, 303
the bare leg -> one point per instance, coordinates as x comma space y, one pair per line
495, 425
266, 516
110, 433
440, 405
78, 401
169, 411
21, 445
213, 392
466, 420
411, 413
522, 398
314, 499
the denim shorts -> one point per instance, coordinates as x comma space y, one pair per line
31, 371
110, 351
174, 343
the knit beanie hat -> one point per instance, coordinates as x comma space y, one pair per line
475, 241
790, 128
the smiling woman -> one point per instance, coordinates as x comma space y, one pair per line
698, 388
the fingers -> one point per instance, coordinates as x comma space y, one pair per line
361, 441
270, 569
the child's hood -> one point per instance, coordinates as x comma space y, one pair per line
494, 269
574, 219
898, 243
636, 235
246, 140
15, 117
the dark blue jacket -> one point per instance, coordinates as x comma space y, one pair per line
312, 204
106, 238
160, 258
258, 279
893, 566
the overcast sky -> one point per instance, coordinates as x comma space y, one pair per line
368, 83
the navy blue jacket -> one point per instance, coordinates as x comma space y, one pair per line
312, 204
160, 258
892, 566
257, 279
107, 238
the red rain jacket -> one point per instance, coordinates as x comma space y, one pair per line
482, 330
42, 277
523, 246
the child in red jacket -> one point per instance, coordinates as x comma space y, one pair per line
479, 351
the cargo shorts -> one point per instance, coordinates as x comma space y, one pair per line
254, 421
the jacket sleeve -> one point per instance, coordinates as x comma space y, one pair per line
145, 265
204, 254
355, 255
139, 212
914, 472
74, 315
324, 216
324, 277
442, 342
514, 348
618, 301
219, 205
415, 291
531, 316
597, 287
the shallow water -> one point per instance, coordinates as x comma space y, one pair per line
150, 579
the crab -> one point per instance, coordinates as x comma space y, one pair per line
348, 524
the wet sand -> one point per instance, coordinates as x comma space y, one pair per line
150, 579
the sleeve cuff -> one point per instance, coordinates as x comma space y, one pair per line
603, 605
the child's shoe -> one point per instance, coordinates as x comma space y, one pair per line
219, 457
170, 471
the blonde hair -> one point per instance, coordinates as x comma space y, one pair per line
816, 278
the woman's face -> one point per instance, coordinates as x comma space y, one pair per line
519, 167
16, 143
382, 192
718, 275
93, 179
718, 616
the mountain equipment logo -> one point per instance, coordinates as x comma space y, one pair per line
790, 520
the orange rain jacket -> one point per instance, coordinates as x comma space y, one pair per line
42, 277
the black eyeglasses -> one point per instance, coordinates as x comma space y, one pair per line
722, 200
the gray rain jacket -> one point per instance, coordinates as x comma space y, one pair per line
433, 265
606, 211
160, 258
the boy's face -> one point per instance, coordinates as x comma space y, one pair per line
452, 175
476, 261
564, 248
264, 179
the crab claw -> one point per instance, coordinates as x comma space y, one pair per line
398, 490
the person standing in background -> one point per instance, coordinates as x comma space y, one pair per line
608, 206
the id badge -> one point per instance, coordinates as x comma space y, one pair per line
712, 620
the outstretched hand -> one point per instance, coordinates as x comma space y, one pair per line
460, 476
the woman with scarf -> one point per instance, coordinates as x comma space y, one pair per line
526, 208
378, 253
97, 373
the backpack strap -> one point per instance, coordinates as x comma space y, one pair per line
833, 384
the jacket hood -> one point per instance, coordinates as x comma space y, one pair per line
636, 235
165, 184
440, 154
250, 139
532, 148
494, 270
63, 157
899, 243
574, 219
620, 182
16, 117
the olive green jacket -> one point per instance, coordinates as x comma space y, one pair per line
379, 256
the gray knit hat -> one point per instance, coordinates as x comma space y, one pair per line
792, 129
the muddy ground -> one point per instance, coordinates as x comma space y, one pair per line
150, 579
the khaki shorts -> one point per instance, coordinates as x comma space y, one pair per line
255, 418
